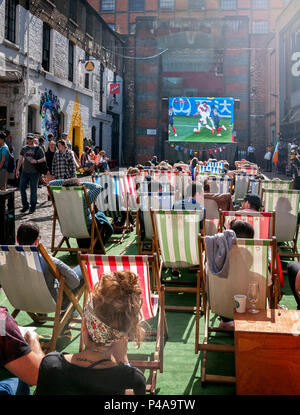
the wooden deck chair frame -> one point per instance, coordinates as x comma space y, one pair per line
161, 334
95, 229
177, 286
126, 227
290, 250
43, 295
205, 346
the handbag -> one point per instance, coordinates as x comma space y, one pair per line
42, 168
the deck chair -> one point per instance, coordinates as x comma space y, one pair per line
176, 244
248, 260
93, 266
241, 186
144, 228
219, 184
70, 205
277, 184
23, 282
285, 204
212, 219
255, 187
112, 201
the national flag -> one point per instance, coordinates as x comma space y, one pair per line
275, 155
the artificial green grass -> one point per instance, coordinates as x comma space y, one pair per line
182, 367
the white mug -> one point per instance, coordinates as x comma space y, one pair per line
240, 303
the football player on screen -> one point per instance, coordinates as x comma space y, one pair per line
204, 112
216, 118
171, 121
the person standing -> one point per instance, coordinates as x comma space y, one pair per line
250, 152
29, 156
268, 159
4, 154
50, 154
63, 165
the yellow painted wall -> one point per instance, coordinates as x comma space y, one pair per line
76, 124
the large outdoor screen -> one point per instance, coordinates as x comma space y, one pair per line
201, 119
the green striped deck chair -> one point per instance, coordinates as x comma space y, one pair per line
71, 206
285, 204
176, 243
248, 261
277, 184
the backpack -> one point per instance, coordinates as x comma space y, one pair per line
11, 163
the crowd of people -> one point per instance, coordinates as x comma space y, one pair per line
112, 314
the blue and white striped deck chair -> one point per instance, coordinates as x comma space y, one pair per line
113, 200
255, 187
23, 282
219, 184
285, 204
71, 207
216, 164
176, 244
241, 186
150, 201
248, 260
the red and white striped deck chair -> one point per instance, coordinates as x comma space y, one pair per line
94, 266
128, 188
263, 224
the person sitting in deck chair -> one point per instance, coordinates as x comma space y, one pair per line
28, 233
251, 203
93, 191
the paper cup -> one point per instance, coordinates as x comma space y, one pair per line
240, 303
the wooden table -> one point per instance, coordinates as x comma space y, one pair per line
267, 352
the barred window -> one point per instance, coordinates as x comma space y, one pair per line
10, 20
71, 62
137, 5
101, 89
260, 27
108, 5
260, 4
46, 47
166, 4
228, 4
197, 4
73, 10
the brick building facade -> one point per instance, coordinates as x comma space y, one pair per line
52, 92
245, 75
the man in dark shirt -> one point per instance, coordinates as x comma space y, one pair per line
19, 355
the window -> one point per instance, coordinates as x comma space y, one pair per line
89, 23
166, 4
228, 4
31, 119
131, 28
197, 4
108, 5
94, 135
101, 135
46, 47
137, 5
260, 27
260, 4
10, 20
71, 62
101, 90
87, 75
73, 10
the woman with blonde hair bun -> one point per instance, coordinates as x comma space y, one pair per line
111, 316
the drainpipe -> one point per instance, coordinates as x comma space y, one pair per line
27, 73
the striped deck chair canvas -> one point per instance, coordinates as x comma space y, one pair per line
277, 184
241, 186
111, 199
285, 204
94, 266
150, 201
255, 187
23, 282
263, 222
248, 260
176, 244
219, 184
75, 197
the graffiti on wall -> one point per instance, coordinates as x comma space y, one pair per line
50, 115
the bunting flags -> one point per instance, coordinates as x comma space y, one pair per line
194, 153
